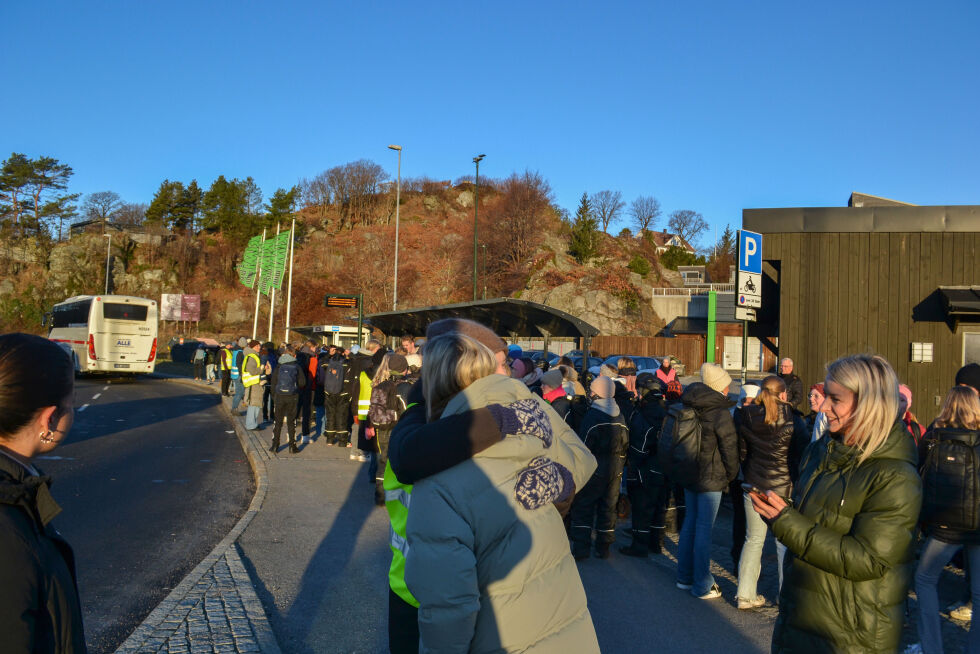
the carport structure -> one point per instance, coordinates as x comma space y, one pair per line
507, 317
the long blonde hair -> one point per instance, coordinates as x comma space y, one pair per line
453, 361
768, 396
961, 409
875, 386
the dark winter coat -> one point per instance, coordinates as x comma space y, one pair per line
770, 454
644, 425
794, 392
288, 360
607, 437
39, 607
850, 538
718, 458
951, 498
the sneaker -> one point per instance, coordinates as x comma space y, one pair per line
353, 457
713, 593
362, 458
684, 586
914, 648
744, 604
961, 611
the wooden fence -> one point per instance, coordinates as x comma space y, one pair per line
689, 350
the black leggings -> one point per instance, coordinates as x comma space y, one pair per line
403, 625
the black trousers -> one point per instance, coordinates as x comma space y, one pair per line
403, 625
199, 369
645, 502
595, 505
304, 411
336, 409
287, 409
268, 404
383, 437
735, 492
225, 381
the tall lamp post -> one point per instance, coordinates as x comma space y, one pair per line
108, 250
476, 215
398, 202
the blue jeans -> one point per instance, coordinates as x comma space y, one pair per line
750, 563
318, 423
694, 544
935, 555
239, 394
252, 417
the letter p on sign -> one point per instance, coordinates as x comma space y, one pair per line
749, 252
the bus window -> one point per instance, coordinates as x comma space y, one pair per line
119, 311
71, 315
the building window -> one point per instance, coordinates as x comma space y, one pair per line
971, 348
921, 353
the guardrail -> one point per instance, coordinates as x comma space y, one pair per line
693, 290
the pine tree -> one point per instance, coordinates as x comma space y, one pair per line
584, 244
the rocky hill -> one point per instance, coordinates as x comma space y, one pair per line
523, 253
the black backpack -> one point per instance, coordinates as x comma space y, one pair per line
333, 376
679, 446
287, 383
951, 480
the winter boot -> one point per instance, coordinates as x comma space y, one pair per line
602, 550
275, 446
657, 540
639, 547
580, 552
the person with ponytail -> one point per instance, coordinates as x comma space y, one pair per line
850, 527
772, 441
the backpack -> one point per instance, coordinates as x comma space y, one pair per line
332, 376
388, 402
679, 445
287, 383
951, 480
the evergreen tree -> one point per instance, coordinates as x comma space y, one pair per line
281, 204
165, 209
31, 194
584, 244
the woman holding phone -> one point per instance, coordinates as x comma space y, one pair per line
850, 527
772, 440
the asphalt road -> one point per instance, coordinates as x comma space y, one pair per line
151, 478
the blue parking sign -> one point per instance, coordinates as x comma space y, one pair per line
749, 252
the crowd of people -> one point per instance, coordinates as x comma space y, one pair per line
498, 474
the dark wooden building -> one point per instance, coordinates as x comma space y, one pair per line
900, 281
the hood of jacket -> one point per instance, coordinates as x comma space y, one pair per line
29, 492
701, 396
286, 358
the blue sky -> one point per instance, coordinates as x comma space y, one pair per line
711, 106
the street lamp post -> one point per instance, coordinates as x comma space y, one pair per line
484, 246
108, 250
398, 202
476, 215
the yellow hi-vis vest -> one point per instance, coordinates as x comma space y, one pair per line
248, 378
398, 497
227, 354
363, 396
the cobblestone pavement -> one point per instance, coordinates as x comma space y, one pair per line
215, 608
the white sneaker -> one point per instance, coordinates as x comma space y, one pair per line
744, 604
713, 593
914, 648
353, 457
683, 586
362, 458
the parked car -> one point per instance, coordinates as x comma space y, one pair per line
537, 356
643, 364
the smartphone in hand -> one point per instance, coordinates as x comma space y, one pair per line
749, 488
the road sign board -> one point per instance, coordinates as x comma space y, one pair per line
743, 313
753, 301
749, 284
749, 252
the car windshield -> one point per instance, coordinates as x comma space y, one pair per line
642, 363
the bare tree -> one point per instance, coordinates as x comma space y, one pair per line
516, 221
606, 207
645, 210
101, 206
131, 213
689, 225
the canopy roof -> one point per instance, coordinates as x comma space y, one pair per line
505, 316
961, 302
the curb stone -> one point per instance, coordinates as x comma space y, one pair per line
215, 607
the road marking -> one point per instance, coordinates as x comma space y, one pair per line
120, 420
97, 396
56, 458
105, 388
205, 460
159, 481
82, 408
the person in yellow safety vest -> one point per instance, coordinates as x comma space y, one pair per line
252, 380
224, 362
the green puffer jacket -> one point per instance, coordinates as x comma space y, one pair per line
850, 558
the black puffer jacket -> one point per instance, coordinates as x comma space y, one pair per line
39, 607
946, 490
718, 459
607, 437
644, 425
770, 454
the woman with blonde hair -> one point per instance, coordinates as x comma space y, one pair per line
950, 511
772, 440
487, 557
850, 526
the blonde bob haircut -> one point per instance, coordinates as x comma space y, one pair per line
875, 386
961, 409
453, 361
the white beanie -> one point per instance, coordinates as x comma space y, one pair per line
715, 377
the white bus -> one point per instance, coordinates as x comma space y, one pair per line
106, 333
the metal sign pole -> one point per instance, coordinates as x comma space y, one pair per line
360, 317
289, 293
258, 292
272, 301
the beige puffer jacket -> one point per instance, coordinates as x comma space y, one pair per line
488, 557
